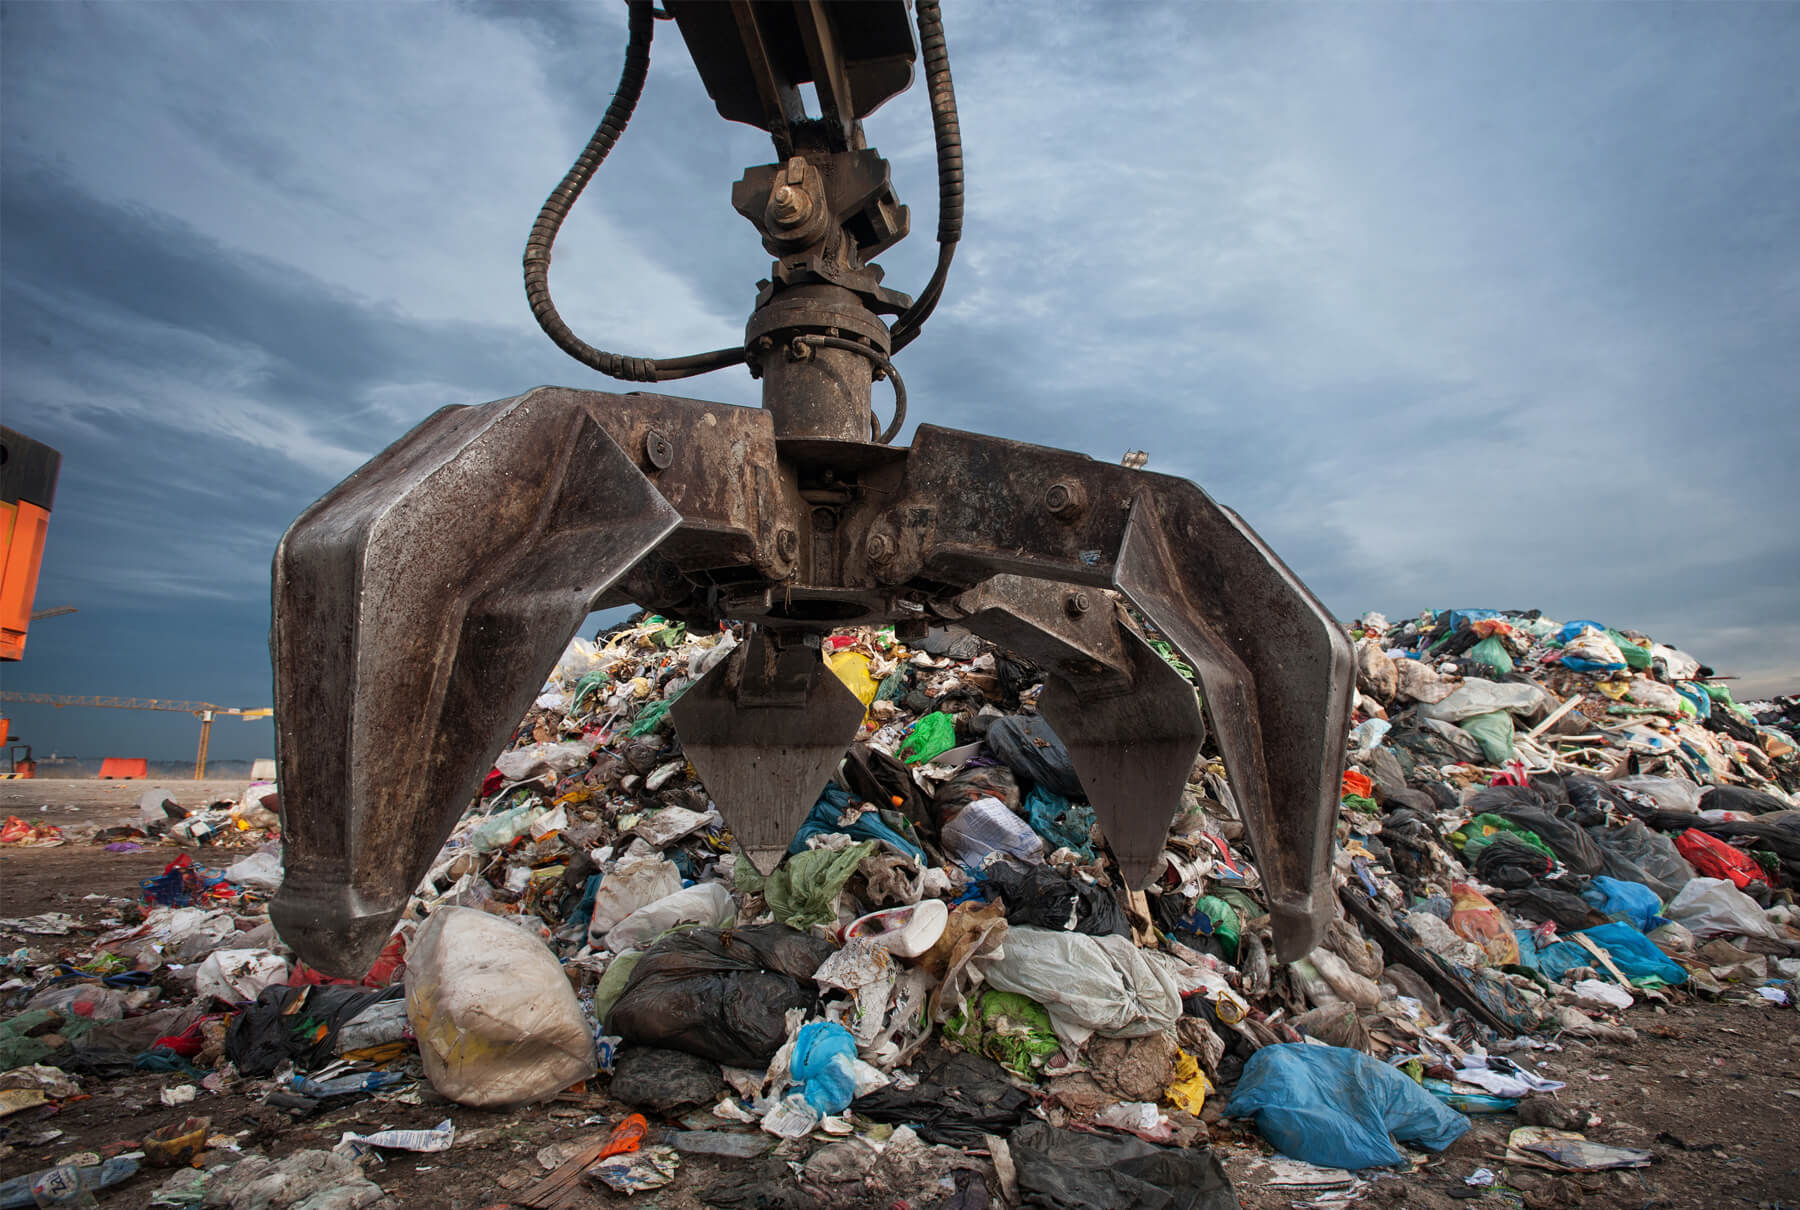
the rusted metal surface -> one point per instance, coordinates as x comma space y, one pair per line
417, 608
765, 730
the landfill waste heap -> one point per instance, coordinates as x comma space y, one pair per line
945, 993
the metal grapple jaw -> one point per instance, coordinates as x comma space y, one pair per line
420, 605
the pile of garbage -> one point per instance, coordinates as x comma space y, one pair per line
944, 993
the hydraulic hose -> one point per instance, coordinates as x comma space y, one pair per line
948, 132
556, 209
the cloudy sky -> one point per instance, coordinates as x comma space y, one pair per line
1460, 305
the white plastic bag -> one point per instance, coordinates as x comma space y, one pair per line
258, 871
636, 880
1712, 907
1476, 696
496, 1019
536, 759
1668, 793
234, 976
1088, 985
705, 903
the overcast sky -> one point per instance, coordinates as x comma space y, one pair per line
1459, 305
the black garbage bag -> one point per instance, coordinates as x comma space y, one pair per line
1070, 1170
974, 781
721, 994
764, 1184
1573, 847
1509, 862
1026, 745
296, 1024
1545, 902
1038, 895
662, 1080
1636, 854
1740, 798
956, 1102
875, 776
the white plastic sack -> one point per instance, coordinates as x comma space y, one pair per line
635, 881
1420, 682
1476, 696
1593, 645
1668, 793
1654, 694
234, 976
1676, 665
987, 826
258, 871
1088, 985
496, 1019
533, 760
1712, 907
707, 903
256, 808
377, 1025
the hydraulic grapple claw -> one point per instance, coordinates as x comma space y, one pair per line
419, 604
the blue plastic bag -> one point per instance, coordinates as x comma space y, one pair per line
1573, 629
1636, 903
1634, 954
1062, 824
869, 826
824, 1066
1338, 1108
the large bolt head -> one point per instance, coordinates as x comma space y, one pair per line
1066, 500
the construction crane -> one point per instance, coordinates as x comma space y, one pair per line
419, 604
204, 711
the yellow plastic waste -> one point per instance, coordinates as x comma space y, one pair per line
852, 668
1187, 1091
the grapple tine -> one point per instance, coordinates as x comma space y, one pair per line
1276, 671
1133, 751
765, 729
417, 609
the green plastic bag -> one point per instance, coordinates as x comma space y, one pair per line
930, 737
1638, 658
1492, 653
1224, 921
1011, 1029
1494, 732
804, 890
1479, 833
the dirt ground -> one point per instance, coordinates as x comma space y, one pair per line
1712, 1089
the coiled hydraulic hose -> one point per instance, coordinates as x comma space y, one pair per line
950, 170
556, 209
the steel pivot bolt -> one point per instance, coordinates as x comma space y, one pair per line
1076, 604
659, 450
880, 548
1066, 500
787, 544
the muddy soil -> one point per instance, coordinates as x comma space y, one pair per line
1712, 1089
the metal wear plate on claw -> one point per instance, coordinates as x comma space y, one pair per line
764, 756
1133, 752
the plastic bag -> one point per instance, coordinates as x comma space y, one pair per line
632, 883
1062, 824
723, 995
1040, 896
956, 1102
1011, 1029
87, 1001
1475, 918
985, 827
1714, 858
707, 903
1668, 793
1338, 1108
1633, 901
1634, 954
258, 871
834, 804
534, 760
235, 976
1714, 907
1477, 696
823, 1066
804, 889
496, 1019
852, 668
931, 736
1088, 985
1634, 853
1491, 652
1025, 744
297, 1025
1494, 732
